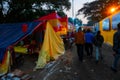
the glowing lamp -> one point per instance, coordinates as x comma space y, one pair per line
113, 9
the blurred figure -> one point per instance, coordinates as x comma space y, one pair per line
67, 43
116, 48
69, 40
98, 41
79, 41
89, 42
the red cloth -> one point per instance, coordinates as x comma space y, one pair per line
53, 15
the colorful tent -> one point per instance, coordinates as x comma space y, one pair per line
59, 24
10, 34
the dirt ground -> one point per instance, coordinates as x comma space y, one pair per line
68, 67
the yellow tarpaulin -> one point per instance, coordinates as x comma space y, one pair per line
53, 47
4, 67
54, 22
20, 49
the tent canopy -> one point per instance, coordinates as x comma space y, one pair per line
11, 33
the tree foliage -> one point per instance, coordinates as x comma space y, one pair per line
29, 10
98, 9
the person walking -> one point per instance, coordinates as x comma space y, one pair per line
89, 42
116, 48
79, 41
98, 41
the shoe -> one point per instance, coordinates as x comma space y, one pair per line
113, 69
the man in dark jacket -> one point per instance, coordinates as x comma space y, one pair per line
98, 41
116, 48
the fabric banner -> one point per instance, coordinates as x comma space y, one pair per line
53, 47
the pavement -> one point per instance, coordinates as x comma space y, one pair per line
68, 67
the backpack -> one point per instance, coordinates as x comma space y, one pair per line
98, 40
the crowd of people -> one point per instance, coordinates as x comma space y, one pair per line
85, 40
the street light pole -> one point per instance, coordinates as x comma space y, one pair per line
72, 8
73, 11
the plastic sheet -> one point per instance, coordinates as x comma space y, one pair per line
53, 47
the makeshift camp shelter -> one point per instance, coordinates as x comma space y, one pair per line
53, 45
10, 34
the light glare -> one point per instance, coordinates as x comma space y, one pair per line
112, 9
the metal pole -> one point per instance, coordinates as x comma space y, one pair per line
72, 8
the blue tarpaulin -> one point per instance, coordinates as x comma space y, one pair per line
11, 33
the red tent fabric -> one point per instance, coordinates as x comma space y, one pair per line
53, 15
54, 20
